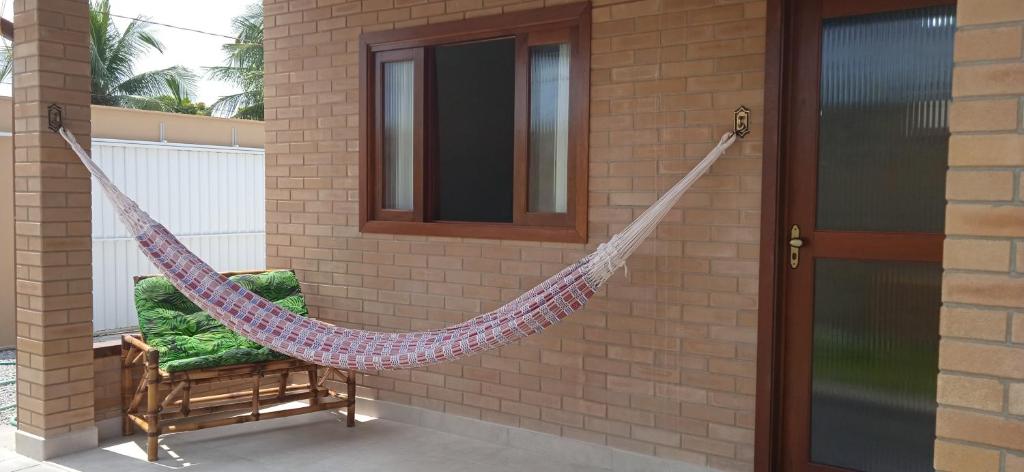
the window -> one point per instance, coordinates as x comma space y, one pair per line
477, 128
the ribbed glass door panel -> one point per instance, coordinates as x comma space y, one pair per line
875, 363
886, 81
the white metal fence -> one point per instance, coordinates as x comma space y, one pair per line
211, 197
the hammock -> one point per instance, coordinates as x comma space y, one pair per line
325, 344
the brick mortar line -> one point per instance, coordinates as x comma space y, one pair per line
977, 306
1012, 200
1005, 382
984, 26
977, 98
1013, 256
1009, 274
970, 169
971, 237
1020, 112
1001, 452
984, 98
1016, 184
985, 342
988, 413
989, 203
977, 63
1006, 397
1009, 328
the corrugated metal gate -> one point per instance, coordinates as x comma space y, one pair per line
211, 197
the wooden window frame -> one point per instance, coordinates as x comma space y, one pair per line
570, 22
379, 212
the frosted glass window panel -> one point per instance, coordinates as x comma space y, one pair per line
397, 162
886, 80
549, 128
875, 363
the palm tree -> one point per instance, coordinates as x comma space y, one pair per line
179, 101
6, 61
243, 67
114, 81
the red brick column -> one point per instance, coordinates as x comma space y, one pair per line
52, 230
980, 424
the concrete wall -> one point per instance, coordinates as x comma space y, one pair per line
980, 423
141, 125
666, 76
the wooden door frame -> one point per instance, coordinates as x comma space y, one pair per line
778, 85
767, 424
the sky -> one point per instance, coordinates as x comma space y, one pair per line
192, 50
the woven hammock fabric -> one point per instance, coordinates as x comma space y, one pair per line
325, 344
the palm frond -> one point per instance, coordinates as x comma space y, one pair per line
172, 80
244, 105
6, 62
252, 112
243, 67
138, 102
114, 54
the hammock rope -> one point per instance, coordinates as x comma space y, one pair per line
335, 346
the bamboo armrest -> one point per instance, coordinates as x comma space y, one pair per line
150, 356
137, 343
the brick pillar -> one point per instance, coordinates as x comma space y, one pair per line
52, 230
980, 423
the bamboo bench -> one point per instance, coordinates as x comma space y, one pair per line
162, 401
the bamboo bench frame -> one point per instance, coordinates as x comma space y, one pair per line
178, 411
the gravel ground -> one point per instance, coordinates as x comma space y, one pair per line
6, 386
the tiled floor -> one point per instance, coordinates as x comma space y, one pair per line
319, 442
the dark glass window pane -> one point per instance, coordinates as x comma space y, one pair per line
875, 362
885, 86
475, 126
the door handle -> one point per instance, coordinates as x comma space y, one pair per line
795, 243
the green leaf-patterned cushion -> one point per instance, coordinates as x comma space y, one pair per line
188, 338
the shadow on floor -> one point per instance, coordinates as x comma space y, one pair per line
318, 441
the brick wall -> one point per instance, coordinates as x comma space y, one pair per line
661, 362
107, 392
980, 423
52, 228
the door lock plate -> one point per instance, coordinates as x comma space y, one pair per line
795, 243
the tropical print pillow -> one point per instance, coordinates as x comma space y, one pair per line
189, 338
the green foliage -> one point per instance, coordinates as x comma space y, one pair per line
113, 57
185, 107
178, 100
243, 67
189, 338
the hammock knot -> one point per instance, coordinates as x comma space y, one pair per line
607, 259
